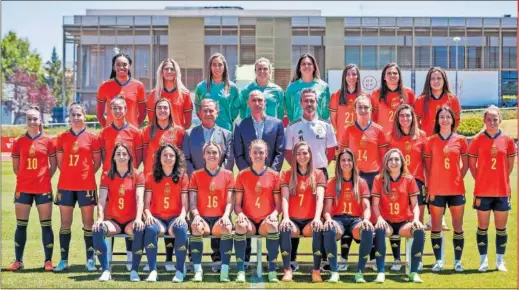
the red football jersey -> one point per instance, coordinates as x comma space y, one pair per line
172, 135
413, 150
492, 155
166, 195
34, 170
133, 92
346, 204
109, 136
258, 192
366, 145
384, 111
445, 174
211, 190
427, 115
302, 205
345, 114
180, 104
121, 203
395, 206
77, 164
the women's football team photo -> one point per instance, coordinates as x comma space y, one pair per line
397, 156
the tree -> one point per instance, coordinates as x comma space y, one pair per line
54, 76
25, 90
16, 55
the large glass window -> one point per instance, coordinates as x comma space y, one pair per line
509, 58
492, 57
142, 65
369, 57
386, 54
352, 55
422, 56
461, 57
509, 88
474, 57
405, 57
440, 56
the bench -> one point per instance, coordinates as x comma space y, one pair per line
259, 251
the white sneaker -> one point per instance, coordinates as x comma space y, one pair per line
106, 276
343, 265
325, 266
179, 277
217, 266
381, 277
129, 258
170, 267
91, 265
397, 266
372, 265
134, 277
294, 265
483, 266
458, 267
152, 277
420, 267
146, 268
501, 267
438, 266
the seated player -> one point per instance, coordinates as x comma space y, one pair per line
257, 205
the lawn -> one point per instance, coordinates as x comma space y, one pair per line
34, 277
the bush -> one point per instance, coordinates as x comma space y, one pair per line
470, 126
91, 118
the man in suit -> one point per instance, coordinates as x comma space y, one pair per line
193, 143
258, 126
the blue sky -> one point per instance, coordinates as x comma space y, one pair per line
43, 27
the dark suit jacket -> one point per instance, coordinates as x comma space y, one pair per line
194, 142
273, 135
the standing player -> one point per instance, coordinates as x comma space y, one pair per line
302, 190
121, 131
274, 95
169, 86
165, 207
34, 164
435, 94
120, 206
257, 205
396, 210
491, 162
342, 102
391, 94
210, 203
446, 164
79, 157
121, 84
410, 140
219, 87
306, 76
347, 211
369, 145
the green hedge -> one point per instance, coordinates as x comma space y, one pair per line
470, 126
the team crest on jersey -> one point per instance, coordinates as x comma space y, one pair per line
363, 141
302, 187
394, 195
437, 108
32, 151
320, 131
212, 187
122, 190
350, 104
446, 151
493, 150
258, 187
121, 94
167, 189
75, 147
407, 147
395, 105
347, 194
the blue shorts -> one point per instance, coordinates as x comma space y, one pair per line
347, 223
122, 226
166, 223
301, 224
492, 203
422, 198
69, 198
443, 201
29, 198
369, 177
